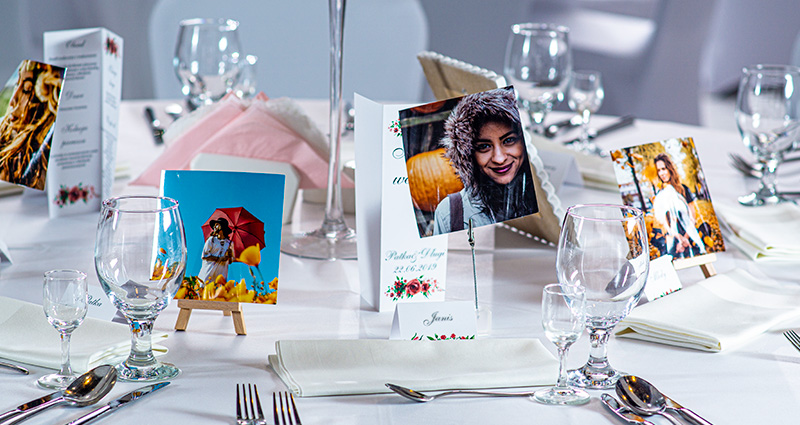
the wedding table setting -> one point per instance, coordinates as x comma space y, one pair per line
713, 344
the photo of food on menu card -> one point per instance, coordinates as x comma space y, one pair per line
664, 179
466, 160
232, 234
28, 107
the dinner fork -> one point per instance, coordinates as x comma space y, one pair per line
281, 401
752, 170
793, 338
248, 410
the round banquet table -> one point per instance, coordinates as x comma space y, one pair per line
321, 300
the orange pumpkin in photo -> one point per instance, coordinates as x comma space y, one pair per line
431, 178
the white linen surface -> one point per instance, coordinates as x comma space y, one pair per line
364, 366
26, 336
724, 311
769, 232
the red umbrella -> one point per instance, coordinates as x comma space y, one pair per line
246, 229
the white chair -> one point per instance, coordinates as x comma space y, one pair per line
292, 42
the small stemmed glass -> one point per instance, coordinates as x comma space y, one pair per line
538, 64
65, 301
563, 309
768, 118
585, 96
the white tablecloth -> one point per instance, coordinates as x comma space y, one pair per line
320, 300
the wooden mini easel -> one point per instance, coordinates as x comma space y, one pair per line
704, 261
228, 309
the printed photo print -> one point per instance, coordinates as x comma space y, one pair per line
664, 179
28, 107
466, 160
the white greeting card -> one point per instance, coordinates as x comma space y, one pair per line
395, 264
81, 168
434, 321
662, 279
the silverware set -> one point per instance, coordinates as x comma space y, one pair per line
250, 412
793, 338
750, 169
288, 411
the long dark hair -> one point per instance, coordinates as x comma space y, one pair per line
674, 180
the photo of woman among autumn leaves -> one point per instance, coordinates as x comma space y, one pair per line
665, 180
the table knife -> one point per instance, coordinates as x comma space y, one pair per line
25, 406
116, 404
686, 413
11, 366
616, 125
621, 411
155, 125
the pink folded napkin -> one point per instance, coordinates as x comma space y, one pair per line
246, 129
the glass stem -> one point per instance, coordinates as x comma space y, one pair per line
141, 343
66, 368
768, 175
562, 366
598, 353
585, 115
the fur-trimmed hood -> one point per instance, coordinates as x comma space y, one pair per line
461, 127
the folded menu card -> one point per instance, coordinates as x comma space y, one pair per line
27, 337
364, 366
764, 233
721, 312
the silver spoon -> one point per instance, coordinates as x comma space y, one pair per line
645, 399
422, 397
85, 390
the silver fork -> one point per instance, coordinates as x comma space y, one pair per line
280, 401
248, 406
752, 170
793, 338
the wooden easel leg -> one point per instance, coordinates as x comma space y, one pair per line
226, 313
183, 319
238, 322
708, 270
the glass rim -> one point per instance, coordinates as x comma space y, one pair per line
108, 204
635, 213
529, 27
224, 23
574, 289
76, 274
776, 68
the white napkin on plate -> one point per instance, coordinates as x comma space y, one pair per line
770, 232
364, 366
721, 312
26, 336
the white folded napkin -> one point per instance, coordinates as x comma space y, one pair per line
721, 312
26, 336
763, 233
364, 366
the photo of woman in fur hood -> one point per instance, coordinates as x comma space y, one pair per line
484, 143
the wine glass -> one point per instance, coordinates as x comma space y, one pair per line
140, 257
563, 309
768, 118
246, 86
207, 59
538, 63
604, 249
65, 301
585, 96
333, 240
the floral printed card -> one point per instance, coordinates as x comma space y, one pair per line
395, 264
233, 233
436, 321
84, 147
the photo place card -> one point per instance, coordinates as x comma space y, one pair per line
29, 102
395, 265
664, 179
233, 233
85, 137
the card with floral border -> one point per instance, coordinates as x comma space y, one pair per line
437, 321
83, 155
395, 264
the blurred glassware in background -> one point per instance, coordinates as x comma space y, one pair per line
768, 118
247, 85
585, 96
207, 59
538, 64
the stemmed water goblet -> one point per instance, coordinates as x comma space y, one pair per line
207, 59
538, 64
584, 97
140, 258
563, 309
768, 118
65, 301
604, 249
